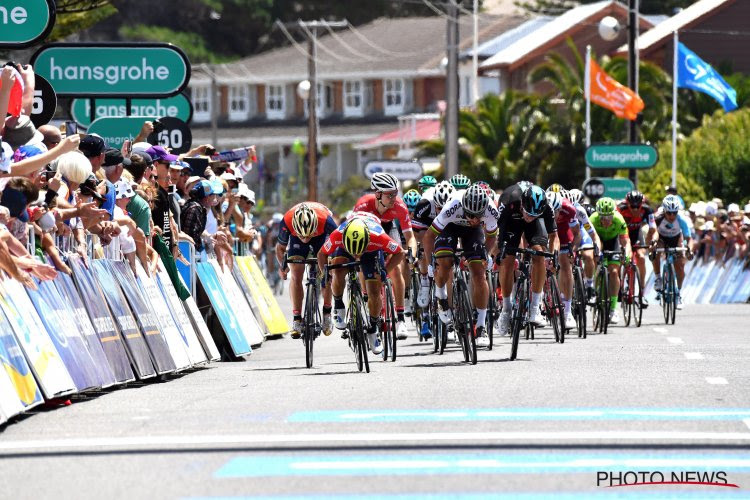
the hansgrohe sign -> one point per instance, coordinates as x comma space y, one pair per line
25, 22
621, 156
126, 70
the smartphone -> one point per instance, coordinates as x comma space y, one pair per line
158, 126
210, 151
71, 127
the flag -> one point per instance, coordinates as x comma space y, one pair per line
694, 73
611, 94
16, 94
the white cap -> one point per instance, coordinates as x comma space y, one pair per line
7, 158
123, 189
733, 207
747, 209
712, 208
708, 226
246, 192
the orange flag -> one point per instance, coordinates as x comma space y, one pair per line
611, 94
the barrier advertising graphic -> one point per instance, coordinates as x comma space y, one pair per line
149, 325
249, 325
109, 337
225, 313
267, 306
40, 352
204, 335
64, 334
17, 371
136, 346
193, 346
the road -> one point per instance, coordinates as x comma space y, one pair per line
567, 420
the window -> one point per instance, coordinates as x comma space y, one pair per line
357, 97
324, 100
396, 96
201, 103
275, 102
239, 102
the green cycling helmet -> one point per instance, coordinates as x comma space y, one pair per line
460, 181
426, 182
605, 206
411, 198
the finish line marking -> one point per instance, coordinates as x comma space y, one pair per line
374, 439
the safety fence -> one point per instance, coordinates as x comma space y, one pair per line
105, 326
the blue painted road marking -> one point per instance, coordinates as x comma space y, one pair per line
519, 414
417, 464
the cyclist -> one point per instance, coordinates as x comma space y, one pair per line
588, 240
471, 217
636, 214
411, 199
568, 229
425, 183
302, 231
525, 213
361, 237
613, 231
394, 217
460, 181
673, 232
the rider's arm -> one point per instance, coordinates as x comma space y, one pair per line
625, 243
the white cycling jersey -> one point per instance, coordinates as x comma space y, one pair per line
453, 213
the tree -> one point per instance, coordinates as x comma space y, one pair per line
557, 7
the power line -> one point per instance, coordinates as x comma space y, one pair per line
380, 49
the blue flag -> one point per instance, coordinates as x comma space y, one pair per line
694, 73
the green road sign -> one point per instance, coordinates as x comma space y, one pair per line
621, 156
115, 131
598, 187
178, 106
25, 22
113, 69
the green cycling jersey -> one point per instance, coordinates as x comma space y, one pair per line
618, 227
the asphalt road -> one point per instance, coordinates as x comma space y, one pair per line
566, 420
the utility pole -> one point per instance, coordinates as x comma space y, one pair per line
633, 8
451, 90
310, 28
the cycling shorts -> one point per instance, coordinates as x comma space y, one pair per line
669, 241
368, 261
297, 250
636, 237
535, 233
472, 242
612, 245
586, 241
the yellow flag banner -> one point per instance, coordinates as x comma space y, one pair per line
611, 94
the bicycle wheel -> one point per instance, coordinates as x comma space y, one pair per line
666, 299
673, 292
492, 312
579, 302
355, 327
626, 293
469, 338
557, 311
389, 325
308, 335
415, 309
602, 305
518, 315
637, 299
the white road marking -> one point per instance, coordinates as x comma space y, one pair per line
141, 417
147, 442
693, 355
675, 340
717, 380
747, 422
659, 329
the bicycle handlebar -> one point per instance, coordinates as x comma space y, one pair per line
344, 265
528, 251
306, 261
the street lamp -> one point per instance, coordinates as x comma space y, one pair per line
303, 89
609, 28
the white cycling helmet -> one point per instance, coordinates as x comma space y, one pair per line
475, 200
671, 204
382, 182
443, 192
575, 196
554, 200
304, 221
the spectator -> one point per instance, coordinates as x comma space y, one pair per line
52, 136
195, 212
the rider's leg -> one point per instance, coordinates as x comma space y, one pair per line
296, 291
679, 269
480, 291
566, 280
641, 264
614, 284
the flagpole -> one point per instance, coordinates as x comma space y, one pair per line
674, 111
587, 91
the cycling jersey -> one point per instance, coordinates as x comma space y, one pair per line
566, 218
673, 229
618, 227
379, 240
326, 224
425, 211
635, 218
399, 211
453, 213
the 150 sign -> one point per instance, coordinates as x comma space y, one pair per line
175, 135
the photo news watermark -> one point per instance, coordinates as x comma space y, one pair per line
613, 479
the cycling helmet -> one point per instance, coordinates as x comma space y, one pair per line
443, 192
475, 200
382, 182
356, 237
554, 200
427, 182
534, 201
634, 197
605, 206
555, 188
460, 181
575, 196
411, 198
484, 186
524, 185
671, 204
304, 221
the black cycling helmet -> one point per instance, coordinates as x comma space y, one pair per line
634, 198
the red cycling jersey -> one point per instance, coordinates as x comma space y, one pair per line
368, 203
635, 218
322, 213
379, 239
566, 218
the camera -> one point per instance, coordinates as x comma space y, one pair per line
210, 151
158, 126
